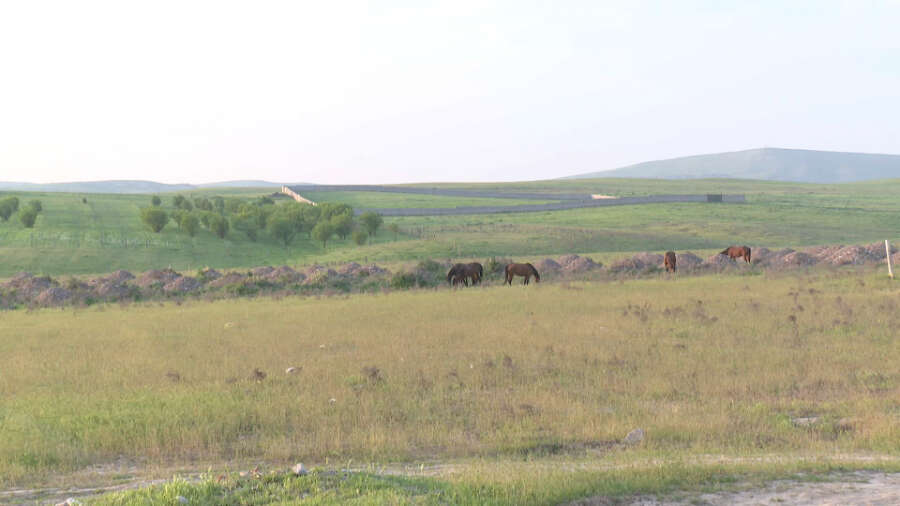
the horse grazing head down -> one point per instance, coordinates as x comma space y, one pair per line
669, 261
524, 270
737, 252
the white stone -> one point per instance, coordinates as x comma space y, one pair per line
635, 436
299, 470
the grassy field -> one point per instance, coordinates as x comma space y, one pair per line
106, 234
720, 366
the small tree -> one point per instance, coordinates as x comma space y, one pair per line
395, 229
6, 209
360, 237
371, 221
246, 223
343, 225
84, 200
218, 225
28, 216
14, 202
155, 218
177, 200
323, 232
190, 223
36, 205
282, 229
156, 201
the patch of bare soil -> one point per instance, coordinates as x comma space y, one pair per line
859, 488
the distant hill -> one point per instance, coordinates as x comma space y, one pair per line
775, 164
126, 186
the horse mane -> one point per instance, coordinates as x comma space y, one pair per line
534, 271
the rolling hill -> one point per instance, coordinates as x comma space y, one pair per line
775, 164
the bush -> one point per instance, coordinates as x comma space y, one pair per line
218, 225
403, 280
343, 225
323, 232
360, 237
6, 210
28, 217
155, 218
156, 201
371, 221
190, 223
282, 229
36, 205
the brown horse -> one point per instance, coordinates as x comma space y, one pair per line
462, 273
737, 252
669, 261
525, 270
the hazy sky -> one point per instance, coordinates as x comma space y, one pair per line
342, 92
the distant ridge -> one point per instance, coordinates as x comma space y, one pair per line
776, 164
129, 186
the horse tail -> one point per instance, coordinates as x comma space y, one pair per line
450, 274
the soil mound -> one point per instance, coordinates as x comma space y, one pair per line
547, 265
231, 278
53, 296
157, 278
182, 284
640, 262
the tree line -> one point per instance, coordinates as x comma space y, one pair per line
256, 217
27, 214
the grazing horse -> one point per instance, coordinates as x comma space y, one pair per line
737, 252
669, 261
462, 273
525, 270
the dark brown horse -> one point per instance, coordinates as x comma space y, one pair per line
669, 261
462, 273
525, 270
737, 252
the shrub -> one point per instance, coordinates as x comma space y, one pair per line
360, 237
6, 210
36, 205
282, 229
156, 201
323, 232
28, 217
218, 225
403, 280
190, 223
371, 221
395, 229
155, 218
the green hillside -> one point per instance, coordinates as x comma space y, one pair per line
767, 163
105, 233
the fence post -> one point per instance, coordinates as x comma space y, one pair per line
887, 250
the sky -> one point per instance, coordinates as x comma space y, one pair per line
388, 92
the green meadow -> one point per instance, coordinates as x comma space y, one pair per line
104, 234
729, 376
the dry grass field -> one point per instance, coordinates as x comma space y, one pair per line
798, 364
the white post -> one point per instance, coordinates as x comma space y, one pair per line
887, 250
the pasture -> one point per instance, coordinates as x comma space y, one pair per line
106, 234
528, 392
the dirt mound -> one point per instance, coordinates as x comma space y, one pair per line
231, 278
113, 290
795, 258
352, 268
157, 277
719, 261
547, 265
876, 250
847, 255
28, 286
262, 271
318, 274
576, 263
120, 276
285, 274
209, 274
639, 262
688, 260
53, 296
375, 270
182, 284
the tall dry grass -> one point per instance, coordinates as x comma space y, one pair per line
705, 365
